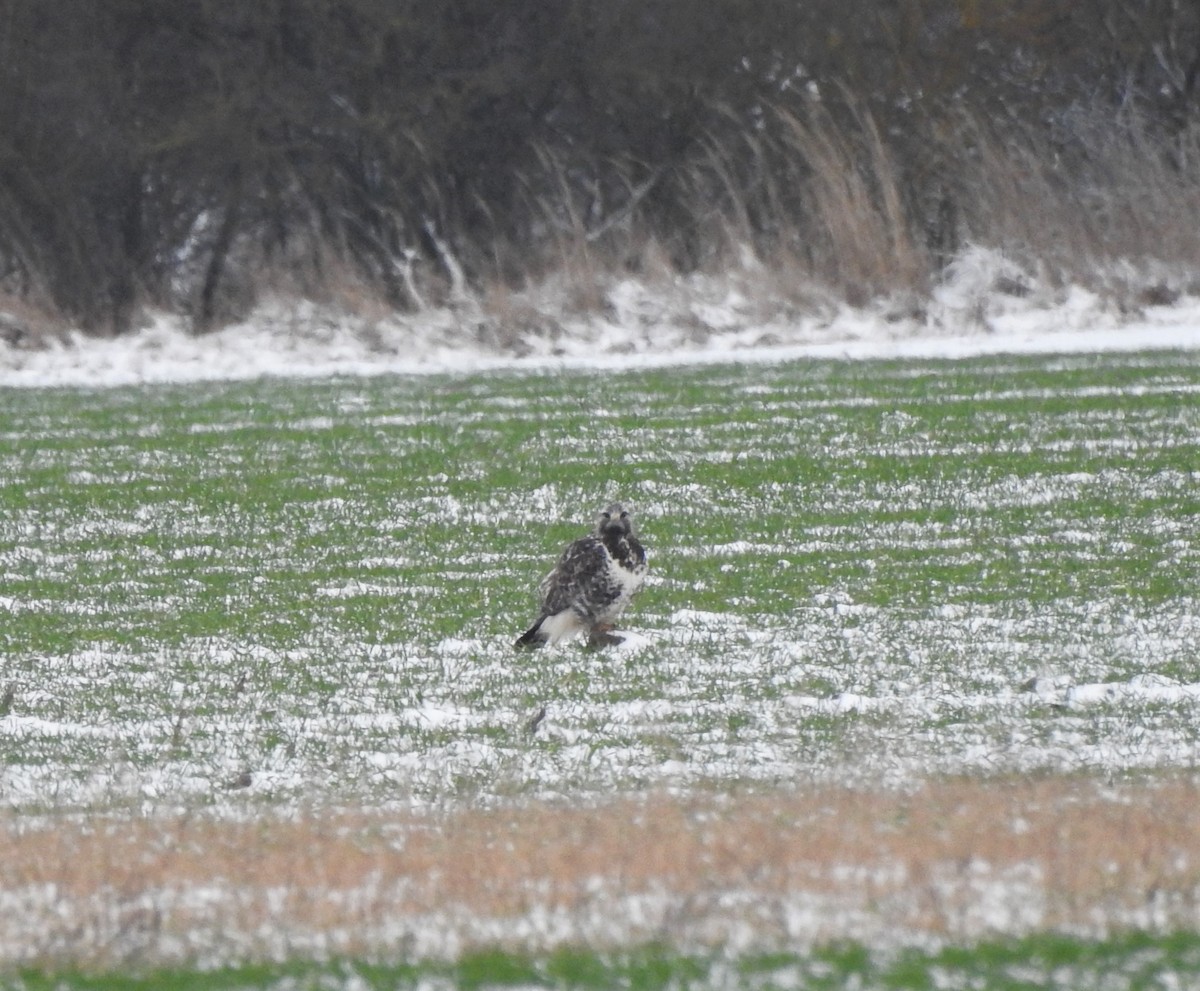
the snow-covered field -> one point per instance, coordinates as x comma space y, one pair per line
899, 699
235, 598
311, 587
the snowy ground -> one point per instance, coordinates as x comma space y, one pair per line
699, 319
405, 711
316, 585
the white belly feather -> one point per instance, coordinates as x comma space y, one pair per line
628, 584
562, 625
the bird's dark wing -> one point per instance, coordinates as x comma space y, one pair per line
637, 552
577, 580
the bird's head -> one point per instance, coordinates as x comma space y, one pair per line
614, 518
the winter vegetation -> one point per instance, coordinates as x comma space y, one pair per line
200, 158
911, 690
323, 328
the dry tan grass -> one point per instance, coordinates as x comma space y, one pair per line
1115, 211
957, 859
27, 322
858, 217
804, 211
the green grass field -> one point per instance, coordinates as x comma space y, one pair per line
268, 597
1016, 965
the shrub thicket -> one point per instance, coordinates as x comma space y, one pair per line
187, 155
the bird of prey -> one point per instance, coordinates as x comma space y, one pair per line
592, 583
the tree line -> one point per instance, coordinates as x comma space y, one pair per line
180, 154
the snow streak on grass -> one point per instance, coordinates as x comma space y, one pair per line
296, 593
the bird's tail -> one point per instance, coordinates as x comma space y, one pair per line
532, 638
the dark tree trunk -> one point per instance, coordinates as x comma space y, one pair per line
206, 311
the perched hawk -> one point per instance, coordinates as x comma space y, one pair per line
593, 581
